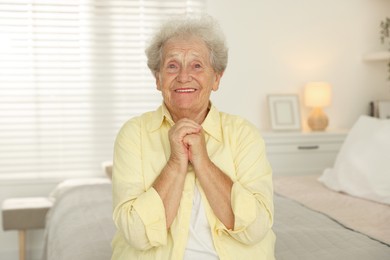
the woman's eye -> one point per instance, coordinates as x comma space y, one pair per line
198, 66
171, 66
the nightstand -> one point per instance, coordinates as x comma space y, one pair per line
302, 153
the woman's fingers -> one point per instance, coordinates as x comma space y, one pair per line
177, 134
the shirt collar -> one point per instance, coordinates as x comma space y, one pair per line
161, 114
211, 124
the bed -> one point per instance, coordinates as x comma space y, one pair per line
315, 216
308, 223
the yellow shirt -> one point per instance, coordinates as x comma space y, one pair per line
142, 150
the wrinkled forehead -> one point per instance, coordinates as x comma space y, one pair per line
192, 46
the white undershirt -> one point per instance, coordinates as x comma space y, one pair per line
200, 242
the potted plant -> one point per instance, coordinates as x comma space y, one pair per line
385, 36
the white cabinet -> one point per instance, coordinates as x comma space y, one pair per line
300, 153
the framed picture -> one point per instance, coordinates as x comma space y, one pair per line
284, 112
380, 109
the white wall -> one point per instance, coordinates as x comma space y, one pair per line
278, 46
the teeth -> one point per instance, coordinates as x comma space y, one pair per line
185, 90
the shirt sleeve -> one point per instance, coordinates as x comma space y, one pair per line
139, 213
252, 192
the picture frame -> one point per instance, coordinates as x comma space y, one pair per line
380, 109
284, 112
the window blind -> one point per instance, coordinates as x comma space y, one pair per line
71, 73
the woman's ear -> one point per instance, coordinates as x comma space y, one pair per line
158, 81
218, 76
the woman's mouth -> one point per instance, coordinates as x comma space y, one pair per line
185, 90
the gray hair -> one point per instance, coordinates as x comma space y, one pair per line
203, 27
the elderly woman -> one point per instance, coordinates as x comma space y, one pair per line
191, 182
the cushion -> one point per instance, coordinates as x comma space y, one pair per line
69, 184
362, 166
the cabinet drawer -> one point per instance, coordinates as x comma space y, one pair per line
299, 153
303, 148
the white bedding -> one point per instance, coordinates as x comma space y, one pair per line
368, 217
304, 234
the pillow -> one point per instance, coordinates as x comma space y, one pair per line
362, 167
69, 184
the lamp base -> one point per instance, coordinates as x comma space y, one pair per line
317, 120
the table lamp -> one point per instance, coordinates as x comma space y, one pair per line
317, 95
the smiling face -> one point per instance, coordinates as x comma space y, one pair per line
186, 78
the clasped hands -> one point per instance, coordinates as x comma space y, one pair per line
188, 144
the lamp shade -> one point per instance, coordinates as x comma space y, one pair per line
317, 94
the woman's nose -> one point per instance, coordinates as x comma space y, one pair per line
184, 76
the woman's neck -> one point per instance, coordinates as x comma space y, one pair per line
198, 117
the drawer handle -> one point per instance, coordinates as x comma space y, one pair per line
308, 147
